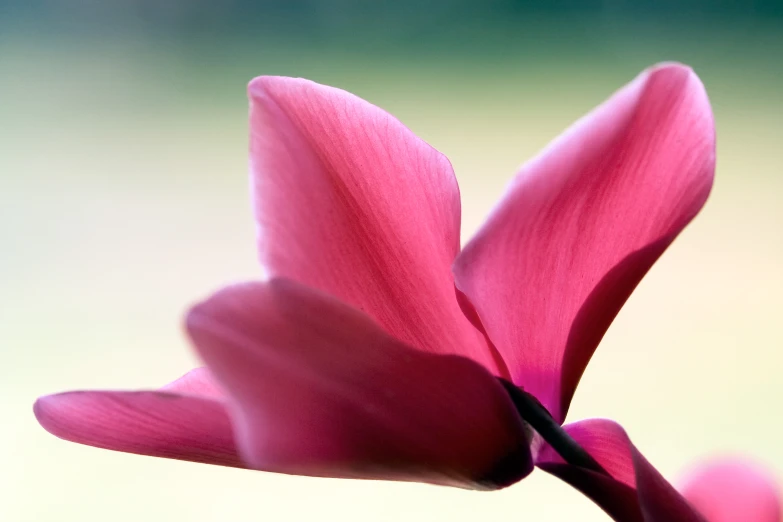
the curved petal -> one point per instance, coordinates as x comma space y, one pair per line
198, 381
582, 223
634, 491
317, 388
350, 202
155, 423
731, 489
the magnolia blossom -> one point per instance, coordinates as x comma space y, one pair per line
376, 348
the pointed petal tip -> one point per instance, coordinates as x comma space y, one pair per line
259, 87
152, 423
259, 84
41, 411
674, 70
679, 77
49, 409
689, 83
670, 66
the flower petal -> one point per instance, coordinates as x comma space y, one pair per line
731, 489
582, 223
198, 381
634, 491
154, 423
317, 388
350, 202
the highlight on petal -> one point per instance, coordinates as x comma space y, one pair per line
198, 381
317, 388
349, 201
582, 223
634, 491
154, 423
731, 489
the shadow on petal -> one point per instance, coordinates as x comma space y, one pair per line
317, 388
634, 491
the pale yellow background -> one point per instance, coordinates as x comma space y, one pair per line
124, 198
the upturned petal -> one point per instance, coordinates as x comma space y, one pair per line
155, 423
633, 491
317, 388
198, 381
582, 223
350, 202
732, 489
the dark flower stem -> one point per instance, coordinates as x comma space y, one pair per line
550, 430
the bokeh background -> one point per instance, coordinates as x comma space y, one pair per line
123, 198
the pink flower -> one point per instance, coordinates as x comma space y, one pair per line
373, 351
731, 489
632, 490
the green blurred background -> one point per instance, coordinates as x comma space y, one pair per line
123, 143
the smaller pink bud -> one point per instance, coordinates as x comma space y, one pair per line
733, 489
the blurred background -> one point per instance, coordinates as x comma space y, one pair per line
123, 139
